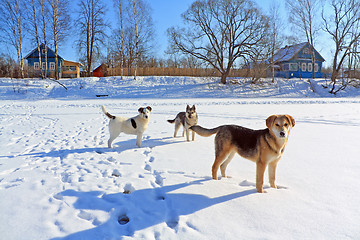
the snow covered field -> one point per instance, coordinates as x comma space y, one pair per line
58, 179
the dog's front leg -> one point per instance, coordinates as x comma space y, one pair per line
138, 139
272, 173
193, 135
187, 134
260, 170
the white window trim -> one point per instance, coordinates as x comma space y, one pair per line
310, 67
52, 66
303, 67
293, 67
36, 66
316, 67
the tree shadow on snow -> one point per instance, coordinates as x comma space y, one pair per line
140, 209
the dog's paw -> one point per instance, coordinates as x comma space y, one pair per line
261, 191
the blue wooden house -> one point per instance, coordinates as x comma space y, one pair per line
295, 61
65, 68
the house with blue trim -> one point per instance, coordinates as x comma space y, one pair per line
295, 61
65, 68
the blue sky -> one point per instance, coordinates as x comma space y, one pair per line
167, 13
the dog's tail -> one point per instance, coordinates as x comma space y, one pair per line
204, 132
171, 121
106, 112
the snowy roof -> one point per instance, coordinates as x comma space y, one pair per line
289, 52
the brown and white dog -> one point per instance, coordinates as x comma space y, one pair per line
264, 147
135, 125
186, 119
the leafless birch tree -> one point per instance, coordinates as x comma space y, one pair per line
134, 44
33, 29
44, 27
219, 32
92, 31
135, 12
59, 21
11, 20
343, 25
303, 15
276, 26
120, 9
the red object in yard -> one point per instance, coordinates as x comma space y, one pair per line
100, 71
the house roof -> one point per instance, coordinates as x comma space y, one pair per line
289, 52
66, 62
42, 46
100, 67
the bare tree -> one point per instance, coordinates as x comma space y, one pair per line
276, 26
33, 29
120, 6
60, 22
43, 20
134, 44
135, 11
303, 15
344, 28
141, 25
219, 32
11, 18
92, 31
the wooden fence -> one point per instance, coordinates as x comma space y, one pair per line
191, 72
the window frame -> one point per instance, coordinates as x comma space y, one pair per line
309, 67
52, 66
293, 67
36, 66
303, 67
316, 67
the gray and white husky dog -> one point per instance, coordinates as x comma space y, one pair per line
186, 119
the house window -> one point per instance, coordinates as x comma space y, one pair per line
306, 51
52, 66
36, 65
303, 67
309, 67
43, 51
293, 67
43, 65
285, 67
316, 67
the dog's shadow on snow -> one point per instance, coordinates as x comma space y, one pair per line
133, 211
118, 147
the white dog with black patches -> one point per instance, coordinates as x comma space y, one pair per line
135, 125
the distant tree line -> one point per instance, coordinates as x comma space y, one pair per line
218, 34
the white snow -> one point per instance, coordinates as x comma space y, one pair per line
58, 179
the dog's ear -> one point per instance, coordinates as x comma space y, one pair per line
140, 110
193, 107
187, 107
291, 120
270, 121
149, 108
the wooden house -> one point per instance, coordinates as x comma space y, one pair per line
295, 61
65, 68
71, 69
